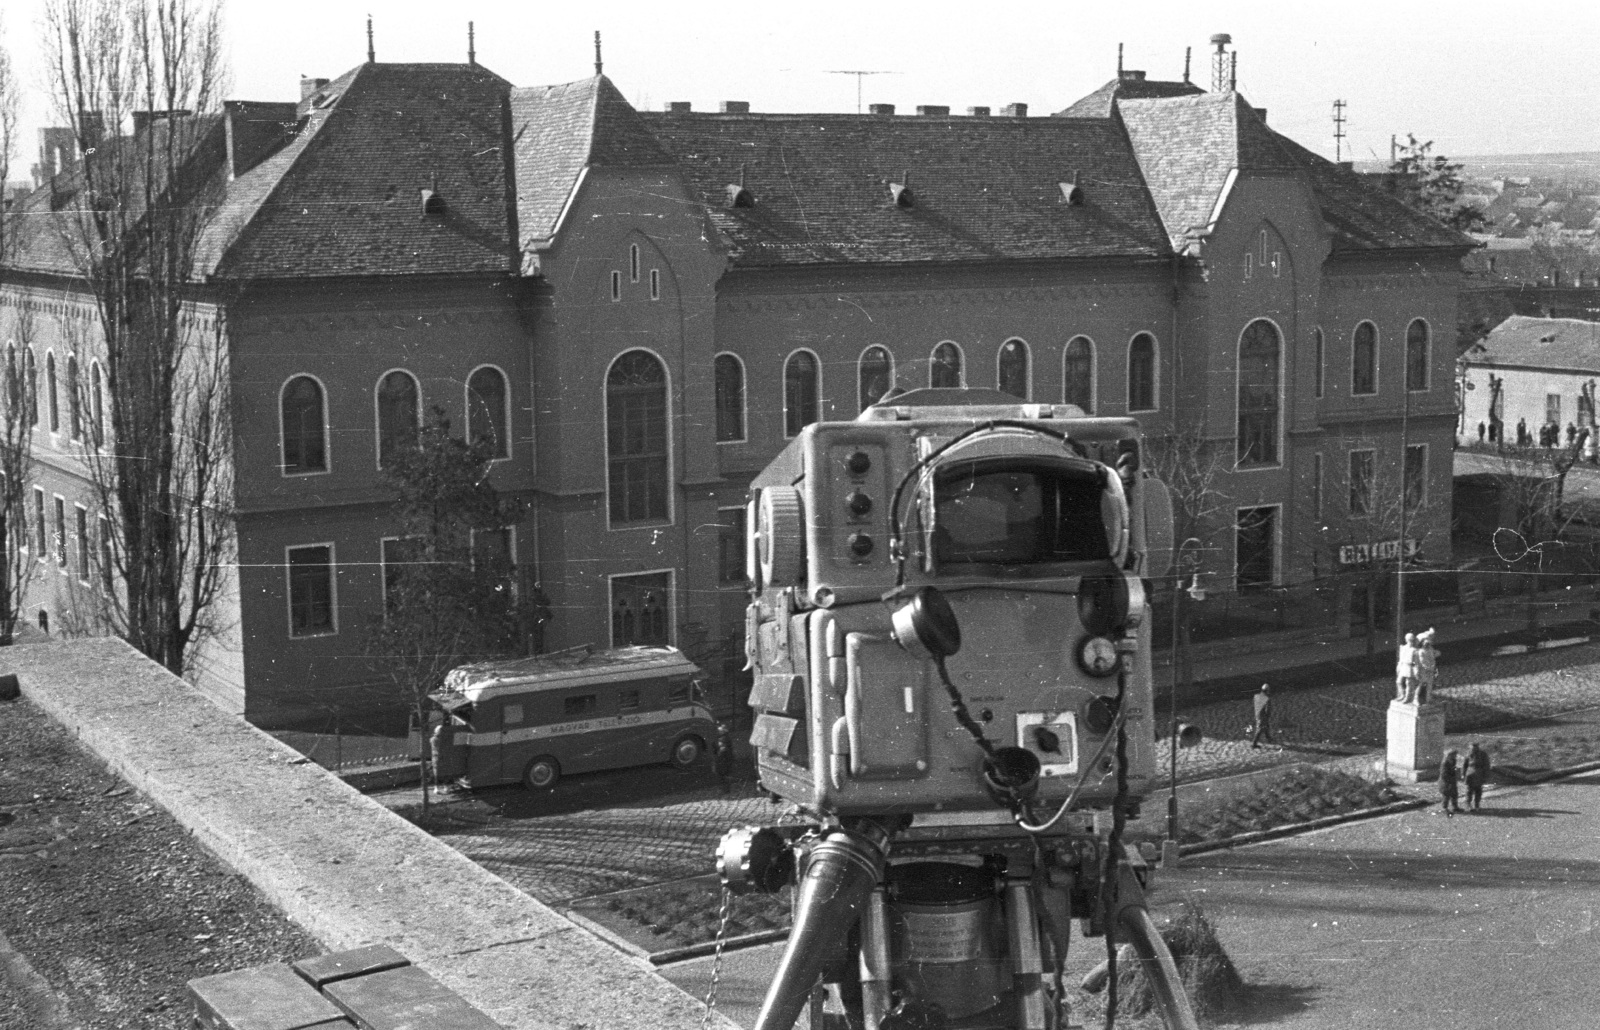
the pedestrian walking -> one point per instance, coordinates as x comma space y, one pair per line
1262, 728
1481, 429
1448, 773
722, 757
1476, 769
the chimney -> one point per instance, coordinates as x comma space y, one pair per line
1130, 75
735, 107
1261, 113
679, 106
142, 120
1015, 110
255, 131
933, 110
1348, 166
978, 112
91, 129
880, 109
309, 87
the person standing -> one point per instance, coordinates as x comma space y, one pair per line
1263, 721
1476, 767
1448, 772
722, 757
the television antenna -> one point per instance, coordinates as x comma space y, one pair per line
1338, 129
859, 76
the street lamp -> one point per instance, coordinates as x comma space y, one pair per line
1169, 847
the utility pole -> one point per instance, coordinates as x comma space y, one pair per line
1338, 129
859, 76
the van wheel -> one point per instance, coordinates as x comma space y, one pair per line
541, 773
687, 751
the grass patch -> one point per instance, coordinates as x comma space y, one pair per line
684, 912
1534, 755
1297, 796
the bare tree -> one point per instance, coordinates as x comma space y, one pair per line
1192, 468
131, 213
17, 418
1532, 488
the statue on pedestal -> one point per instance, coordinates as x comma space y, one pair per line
1405, 669
1427, 663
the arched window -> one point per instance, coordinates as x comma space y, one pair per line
1142, 373
636, 439
30, 382
1260, 351
729, 381
50, 385
874, 376
97, 409
802, 391
1364, 360
74, 408
16, 396
1077, 374
1011, 374
945, 369
488, 409
1320, 357
305, 427
398, 414
1417, 356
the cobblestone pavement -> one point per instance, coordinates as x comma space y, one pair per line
611, 831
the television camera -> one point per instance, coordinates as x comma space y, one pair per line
950, 639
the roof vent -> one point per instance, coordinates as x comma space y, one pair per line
880, 109
1071, 192
735, 107
738, 196
978, 112
1348, 166
1548, 338
933, 110
1015, 110
1129, 75
901, 193
1261, 113
679, 106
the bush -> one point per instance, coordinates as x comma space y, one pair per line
1208, 974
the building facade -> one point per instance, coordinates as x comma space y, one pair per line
1527, 376
644, 307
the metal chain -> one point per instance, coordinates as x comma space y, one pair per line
716, 964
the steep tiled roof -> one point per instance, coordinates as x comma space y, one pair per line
559, 130
346, 199
1565, 343
983, 188
1099, 103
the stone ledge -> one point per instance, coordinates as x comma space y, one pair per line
339, 864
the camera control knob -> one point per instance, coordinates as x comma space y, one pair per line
858, 503
858, 463
860, 544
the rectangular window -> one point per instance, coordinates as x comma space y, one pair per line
61, 533
513, 714
41, 528
1255, 551
1316, 485
633, 263
627, 700
1416, 475
1361, 466
580, 705
106, 555
397, 553
616, 285
82, 515
494, 553
678, 693
1320, 347
730, 546
1552, 409
640, 609
655, 284
311, 591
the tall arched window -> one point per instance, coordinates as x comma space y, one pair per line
1417, 356
398, 414
1011, 372
1260, 354
50, 385
30, 383
74, 408
802, 391
16, 396
1077, 374
945, 369
729, 381
874, 376
488, 408
1364, 360
636, 439
1142, 373
304, 429
1320, 357
97, 408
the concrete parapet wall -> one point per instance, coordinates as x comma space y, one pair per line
334, 861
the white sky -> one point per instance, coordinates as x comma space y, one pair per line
1476, 77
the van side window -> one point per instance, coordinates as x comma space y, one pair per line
581, 704
513, 714
678, 693
627, 700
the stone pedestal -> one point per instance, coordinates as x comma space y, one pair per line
1416, 741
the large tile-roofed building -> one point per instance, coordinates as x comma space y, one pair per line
1533, 372
1557, 344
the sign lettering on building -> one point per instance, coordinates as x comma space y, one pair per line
1387, 550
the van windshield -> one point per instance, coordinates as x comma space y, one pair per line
1002, 511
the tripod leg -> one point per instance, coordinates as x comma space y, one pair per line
874, 959
1134, 925
1027, 966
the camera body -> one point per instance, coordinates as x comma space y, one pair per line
1036, 523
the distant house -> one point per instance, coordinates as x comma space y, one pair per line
1532, 371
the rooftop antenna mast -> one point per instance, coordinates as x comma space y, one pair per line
1338, 129
1188, 52
472, 49
1119, 60
372, 56
1220, 64
859, 76
598, 64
